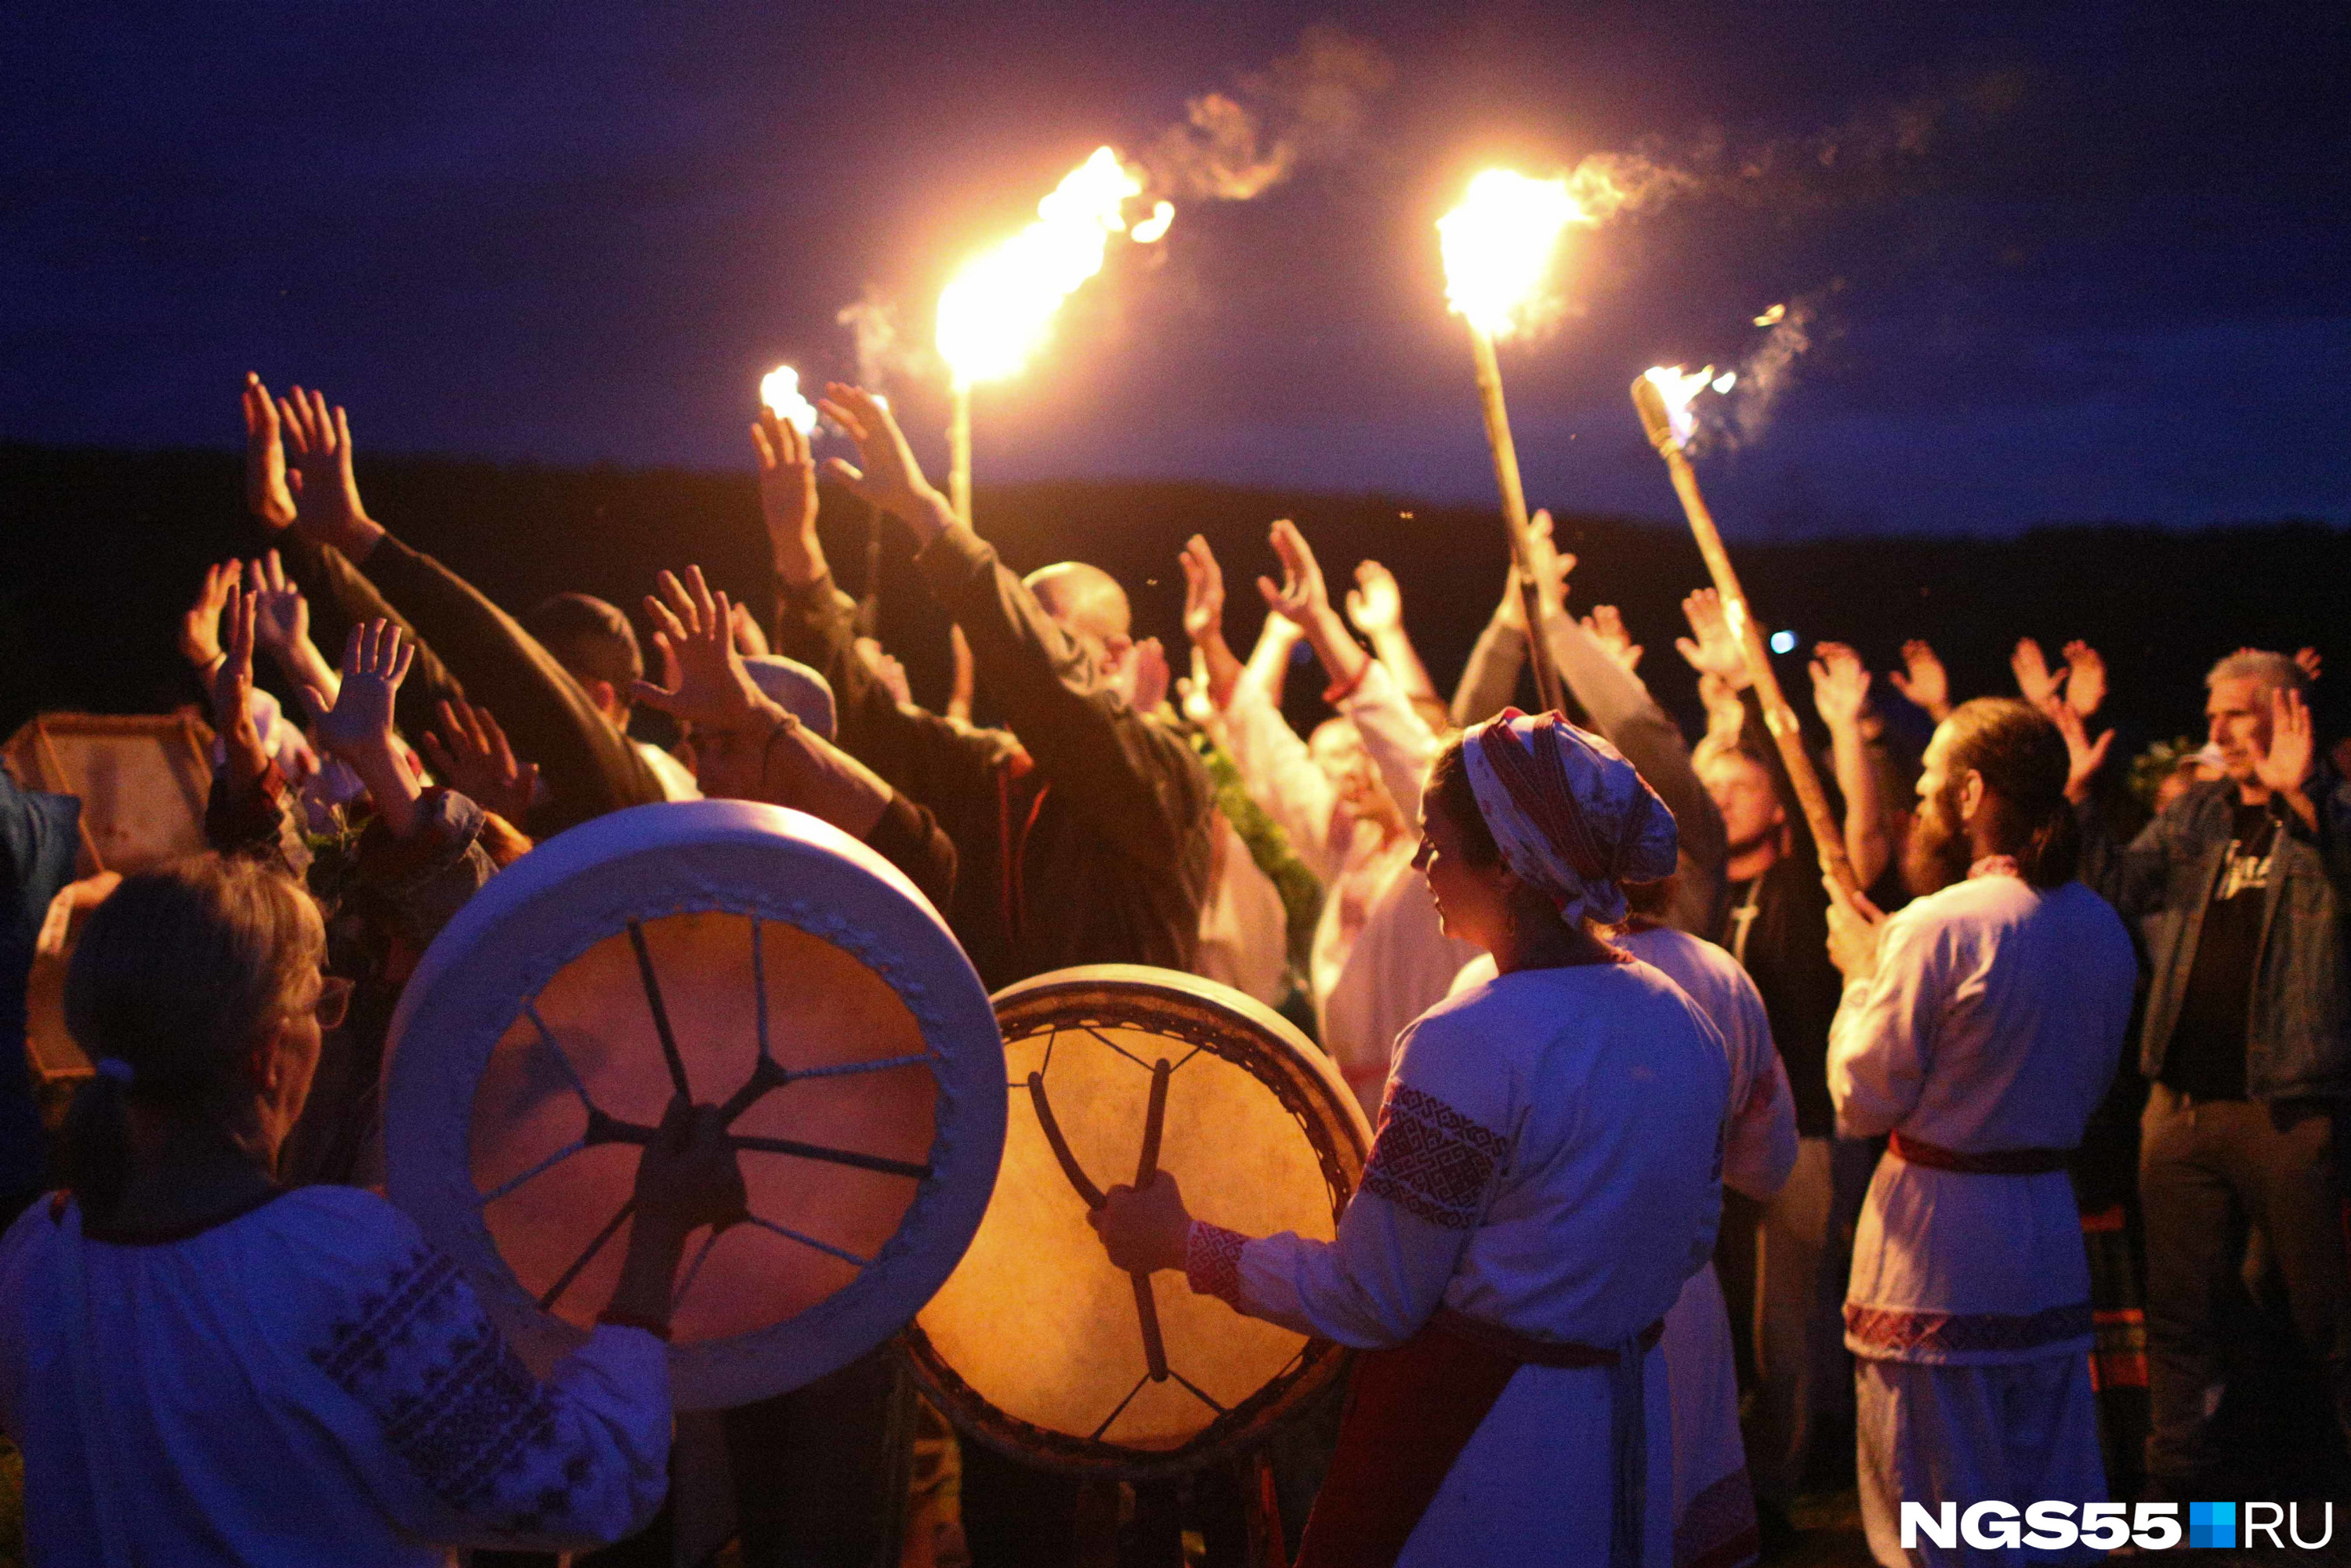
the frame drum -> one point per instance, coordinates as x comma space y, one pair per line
763, 960
1036, 1346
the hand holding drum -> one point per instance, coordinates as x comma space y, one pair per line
1144, 1229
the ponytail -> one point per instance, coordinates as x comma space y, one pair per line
2024, 761
178, 973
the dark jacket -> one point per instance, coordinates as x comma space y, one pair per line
2298, 1031
1083, 840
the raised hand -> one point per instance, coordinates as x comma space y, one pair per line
2084, 756
886, 475
200, 642
2033, 679
786, 489
713, 690
355, 724
2307, 661
358, 719
1552, 567
231, 686
1203, 594
1301, 599
1607, 629
268, 491
2286, 766
1711, 648
1925, 683
319, 441
1375, 604
1840, 685
471, 753
2085, 678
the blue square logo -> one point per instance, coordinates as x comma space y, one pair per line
2213, 1524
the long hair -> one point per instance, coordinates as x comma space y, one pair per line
179, 972
2024, 764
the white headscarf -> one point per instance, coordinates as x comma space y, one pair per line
1569, 814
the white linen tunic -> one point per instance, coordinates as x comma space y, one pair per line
1993, 1020
1381, 957
1547, 1161
1714, 1503
307, 1383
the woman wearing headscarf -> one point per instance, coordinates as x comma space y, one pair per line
1547, 1174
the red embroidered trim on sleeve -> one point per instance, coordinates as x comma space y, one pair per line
1212, 1262
1432, 1161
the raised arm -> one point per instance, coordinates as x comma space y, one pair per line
1134, 779
589, 765
749, 747
1376, 606
1366, 690
919, 753
1841, 693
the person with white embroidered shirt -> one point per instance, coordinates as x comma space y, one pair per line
201, 1367
1715, 1524
1981, 1028
1380, 956
1545, 1178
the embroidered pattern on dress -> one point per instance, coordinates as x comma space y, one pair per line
1432, 1161
1212, 1262
455, 1400
1895, 1331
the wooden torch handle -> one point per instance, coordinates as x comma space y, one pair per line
1514, 519
1828, 838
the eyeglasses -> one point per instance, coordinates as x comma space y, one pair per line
334, 1001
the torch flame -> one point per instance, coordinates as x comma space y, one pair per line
780, 391
1773, 317
995, 313
1677, 389
1498, 246
1151, 230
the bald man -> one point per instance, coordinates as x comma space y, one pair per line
1082, 830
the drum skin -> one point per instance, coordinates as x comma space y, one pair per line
532, 1006
1034, 1346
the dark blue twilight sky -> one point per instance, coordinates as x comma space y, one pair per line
2068, 262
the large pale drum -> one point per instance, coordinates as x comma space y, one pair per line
762, 960
1036, 1346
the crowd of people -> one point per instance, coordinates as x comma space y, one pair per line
1702, 1179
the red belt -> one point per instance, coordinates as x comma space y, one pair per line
1987, 1162
1411, 1410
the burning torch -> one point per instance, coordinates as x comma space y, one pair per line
1662, 397
1498, 246
996, 312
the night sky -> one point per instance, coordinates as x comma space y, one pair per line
2062, 263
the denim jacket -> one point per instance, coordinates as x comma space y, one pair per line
2298, 1032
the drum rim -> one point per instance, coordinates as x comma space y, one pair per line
581, 887
1319, 1362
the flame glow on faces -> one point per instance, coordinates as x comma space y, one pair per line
996, 312
1498, 246
780, 391
1677, 389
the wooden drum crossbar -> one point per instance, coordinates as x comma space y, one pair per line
1189, 1021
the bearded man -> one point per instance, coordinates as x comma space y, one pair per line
1980, 1027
